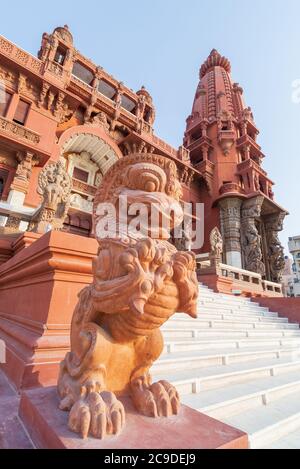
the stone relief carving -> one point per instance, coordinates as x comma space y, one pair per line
251, 240
216, 243
54, 185
43, 94
273, 225
26, 161
138, 284
99, 120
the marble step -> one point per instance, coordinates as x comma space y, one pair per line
194, 380
180, 361
237, 312
232, 400
289, 441
195, 345
213, 315
215, 334
269, 423
211, 303
179, 323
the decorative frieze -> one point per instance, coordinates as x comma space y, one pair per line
19, 131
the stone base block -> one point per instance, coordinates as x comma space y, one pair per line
47, 427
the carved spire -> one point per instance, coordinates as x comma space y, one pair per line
215, 59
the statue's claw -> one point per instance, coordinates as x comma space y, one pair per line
160, 399
98, 414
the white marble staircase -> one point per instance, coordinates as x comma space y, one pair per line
240, 363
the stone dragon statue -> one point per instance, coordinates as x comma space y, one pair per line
139, 282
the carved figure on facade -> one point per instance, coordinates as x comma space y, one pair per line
54, 185
251, 244
216, 243
251, 239
22, 83
140, 111
43, 94
256, 183
58, 109
274, 224
90, 108
118, 103
51, 97
99, 120
26, 161
138, 283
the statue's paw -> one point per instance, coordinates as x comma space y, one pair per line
98, 415
160, 399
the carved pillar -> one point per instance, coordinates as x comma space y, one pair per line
250, 237
275, 252
230, 211
20, 184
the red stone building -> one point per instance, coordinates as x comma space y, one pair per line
62, 106
60, 109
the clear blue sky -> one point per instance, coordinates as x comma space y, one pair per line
161, 44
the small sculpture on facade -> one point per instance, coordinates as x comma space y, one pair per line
256, 183
216, 245
274, 224
99, 120
139, 283
43, 94
26, 162
118, 104
54, 185
251, 244
250, 237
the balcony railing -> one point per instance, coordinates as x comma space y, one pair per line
10, 50
83, 187
18, 131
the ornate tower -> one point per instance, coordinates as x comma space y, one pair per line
238, 196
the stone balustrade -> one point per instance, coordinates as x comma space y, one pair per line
241, 280
83, 187
272, 287
19, 55
18, 131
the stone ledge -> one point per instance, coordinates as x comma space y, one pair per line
47, 427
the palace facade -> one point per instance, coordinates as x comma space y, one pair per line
60, 106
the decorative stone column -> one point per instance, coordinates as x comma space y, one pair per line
274, 224
250, 238
230, 211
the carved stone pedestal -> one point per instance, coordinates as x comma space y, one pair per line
38, 292
48, 428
